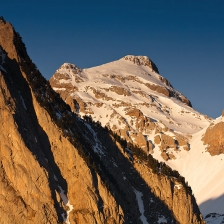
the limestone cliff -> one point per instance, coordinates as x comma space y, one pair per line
42, 174
58, 168
214, 139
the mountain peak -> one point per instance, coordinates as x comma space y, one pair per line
2, 19
11, 41
141, 60
69, 67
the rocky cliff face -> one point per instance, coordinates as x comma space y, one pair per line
142, 60
214, 139
58, 168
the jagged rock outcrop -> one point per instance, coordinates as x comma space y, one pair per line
214, 139
141, 60
58, 168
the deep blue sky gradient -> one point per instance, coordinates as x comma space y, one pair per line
185, 39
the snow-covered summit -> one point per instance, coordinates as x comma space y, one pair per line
110, 91
141, 60
69, 68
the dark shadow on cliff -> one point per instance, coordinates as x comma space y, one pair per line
212, 206
33, 135
120, 177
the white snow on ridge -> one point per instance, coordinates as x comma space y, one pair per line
141, 206
97, 147
204, 173
162, 219
132, 78
67, 203
23, 102
60, 89
215, 219
178, 186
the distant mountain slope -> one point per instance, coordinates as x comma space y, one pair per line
121, 85
58, 168
203, 169
141, 106
130, 97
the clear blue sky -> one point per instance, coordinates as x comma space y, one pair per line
184, 38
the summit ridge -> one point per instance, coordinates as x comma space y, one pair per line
141, 60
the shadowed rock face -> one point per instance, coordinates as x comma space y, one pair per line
56, 167
214, 138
